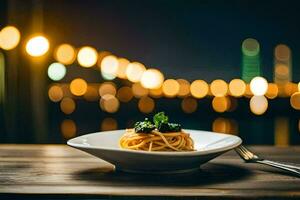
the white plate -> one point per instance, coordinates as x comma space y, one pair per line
105, 145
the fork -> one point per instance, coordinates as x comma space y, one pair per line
250, 157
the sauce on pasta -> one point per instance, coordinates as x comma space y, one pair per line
148, 137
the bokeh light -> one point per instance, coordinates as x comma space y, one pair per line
65, 54
91, 93
37, 46
281, 132
146, 104
223, 125
135, 71
248, 92
56, 71
66, 89
295, 100
68, 128
221, 104
124, 94
107, 88
109, 103
87, 56
78, 87
152, 79
67, 105
55, 93
282, 72
109, 124
109, 67
9, 37
251, 62
156, 93
237, 87
170, 88
219, 88
250, 47
289, 88
282, 52
184, 88
272, 91
199, 88
258, 105
139, 91
122, 67
189, 105
258, 86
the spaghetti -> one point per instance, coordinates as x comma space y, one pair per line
156, 141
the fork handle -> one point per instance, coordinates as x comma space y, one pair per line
286, 167
289, 165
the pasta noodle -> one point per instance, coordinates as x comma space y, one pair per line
157, 141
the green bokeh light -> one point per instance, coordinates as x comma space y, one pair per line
250, 59
250, 47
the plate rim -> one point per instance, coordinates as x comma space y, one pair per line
158, 153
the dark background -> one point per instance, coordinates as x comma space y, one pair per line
184, 39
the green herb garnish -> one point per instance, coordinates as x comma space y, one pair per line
145, 126
160, 118
173, 127
169, 127
161, 123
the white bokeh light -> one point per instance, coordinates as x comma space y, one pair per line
37, 46
87, 56
259, 86
135, 71
258, 105
152, 79
56, 71
109, 67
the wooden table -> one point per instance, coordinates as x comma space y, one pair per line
58, 171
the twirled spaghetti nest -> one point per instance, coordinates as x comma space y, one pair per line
157, 141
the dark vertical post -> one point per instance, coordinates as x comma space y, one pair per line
38, 80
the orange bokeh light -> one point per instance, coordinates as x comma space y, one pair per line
170, 88
55, 93
199, 88
124, 94
78, 87
146, 104
219, 88
189, 105
67, 105
68, 128
237, 87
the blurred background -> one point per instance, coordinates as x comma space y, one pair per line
69, 68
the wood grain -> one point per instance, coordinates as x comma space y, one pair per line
56, 171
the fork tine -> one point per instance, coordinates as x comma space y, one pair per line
248, 155
241, 153
247, 152
243, 150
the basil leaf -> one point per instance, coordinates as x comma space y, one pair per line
160, 118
